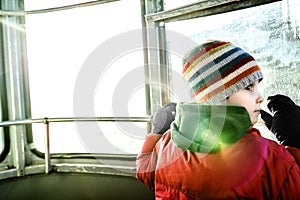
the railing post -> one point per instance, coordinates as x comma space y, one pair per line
47, 147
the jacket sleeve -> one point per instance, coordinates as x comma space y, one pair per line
146, 161
295, 152
291, 187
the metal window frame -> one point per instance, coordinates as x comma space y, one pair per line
61, 8
155, 18
19, 156
16, 103
203, 8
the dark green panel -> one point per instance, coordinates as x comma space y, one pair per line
74, 186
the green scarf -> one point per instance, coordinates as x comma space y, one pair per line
204, 128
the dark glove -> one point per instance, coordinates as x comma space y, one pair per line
284, 122
163, 118
267, 118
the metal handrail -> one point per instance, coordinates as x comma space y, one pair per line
46, 121
75, 119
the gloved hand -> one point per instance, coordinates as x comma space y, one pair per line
163, 118
267, 118
284, 120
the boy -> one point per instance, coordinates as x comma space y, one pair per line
212, 150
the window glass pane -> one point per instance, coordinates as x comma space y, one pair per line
271, 33
60, 47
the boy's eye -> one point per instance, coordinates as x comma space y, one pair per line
249, 87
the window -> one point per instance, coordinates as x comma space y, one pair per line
60, 44
270, 32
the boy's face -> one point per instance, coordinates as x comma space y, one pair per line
248, 98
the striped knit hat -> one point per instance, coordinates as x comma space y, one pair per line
215, 70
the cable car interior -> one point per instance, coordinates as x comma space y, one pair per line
81, 80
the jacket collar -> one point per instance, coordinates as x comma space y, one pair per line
205, 128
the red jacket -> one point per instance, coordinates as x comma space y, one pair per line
252, 168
